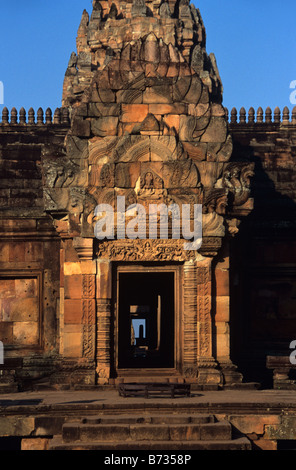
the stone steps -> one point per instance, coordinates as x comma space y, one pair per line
148, 432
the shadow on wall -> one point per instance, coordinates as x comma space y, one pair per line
263, 267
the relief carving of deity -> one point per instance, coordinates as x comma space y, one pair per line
151, 187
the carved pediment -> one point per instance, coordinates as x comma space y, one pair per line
146, 121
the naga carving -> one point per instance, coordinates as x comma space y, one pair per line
237, 179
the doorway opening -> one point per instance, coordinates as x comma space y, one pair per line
146, 320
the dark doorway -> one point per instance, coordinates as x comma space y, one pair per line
146, 320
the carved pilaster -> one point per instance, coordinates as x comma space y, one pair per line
103, 334
204, 309
103, 356
88, 315
207, 366
190, 319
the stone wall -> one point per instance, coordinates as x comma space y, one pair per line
264, 253
29, 251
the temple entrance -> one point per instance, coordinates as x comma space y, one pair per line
146, 320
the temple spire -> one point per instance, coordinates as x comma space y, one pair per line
104, 34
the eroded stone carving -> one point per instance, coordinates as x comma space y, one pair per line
237, 179
59, 173
164, 10
139, 8
147, 250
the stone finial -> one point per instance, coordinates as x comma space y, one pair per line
242, 116
260, 114
268, 115
139, 8
286, 115
13, 116
65, 116
57, 116
31, 116
40, 116
22, 116
294, 115
226, 114
48, 116
233, 116
277, 114
5, 116
251, 115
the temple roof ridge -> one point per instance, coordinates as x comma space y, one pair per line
61, 116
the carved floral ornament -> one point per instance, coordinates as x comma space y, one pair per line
154, 250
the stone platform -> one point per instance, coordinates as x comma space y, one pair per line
81, 420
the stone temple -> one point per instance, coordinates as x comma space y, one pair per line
142, 117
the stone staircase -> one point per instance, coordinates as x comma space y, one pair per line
149, 432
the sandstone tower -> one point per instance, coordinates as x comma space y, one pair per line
142, 101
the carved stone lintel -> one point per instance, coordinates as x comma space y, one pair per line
144, 250
154, 250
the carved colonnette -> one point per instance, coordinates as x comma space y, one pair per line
103, 342
208, 372
103, 320
88, 315
190, 319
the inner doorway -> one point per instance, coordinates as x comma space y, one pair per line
146, 320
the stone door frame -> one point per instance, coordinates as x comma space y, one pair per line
197, 362
176, 269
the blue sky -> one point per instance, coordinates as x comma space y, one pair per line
254, 43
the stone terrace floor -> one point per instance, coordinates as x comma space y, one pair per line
104, 399
266, 417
